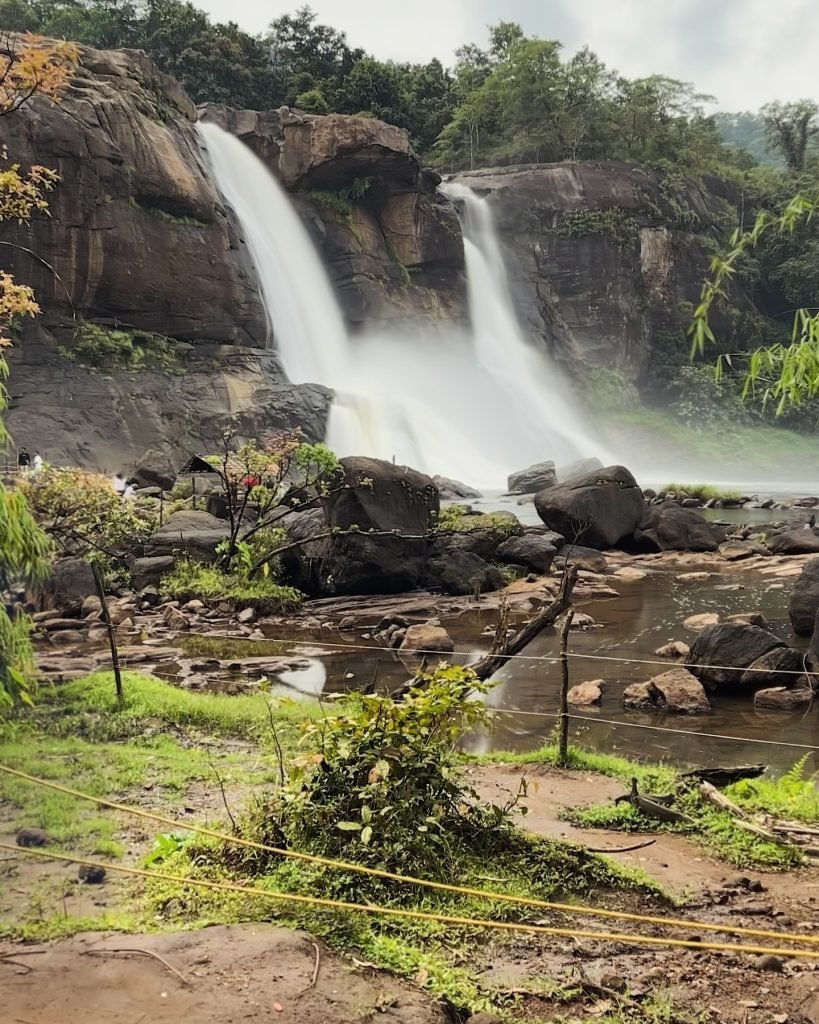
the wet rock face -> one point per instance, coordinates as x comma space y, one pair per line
804, 600
399, 251
668, 527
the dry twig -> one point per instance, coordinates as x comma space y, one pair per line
135, 951
312, 982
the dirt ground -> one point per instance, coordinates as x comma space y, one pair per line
231, 975
257, 973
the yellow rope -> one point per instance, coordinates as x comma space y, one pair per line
568, 908
418, 915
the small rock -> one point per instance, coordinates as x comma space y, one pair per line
91, 874
483, 1018
424, 637
693, 576
90, 605
583, 621
150, 595
613, 981
780, 698
32, 837
174, 618
696, 623
195, 605
751, 618
675, 649
346, 624
586, 694
247, 615
126, 624
736, 551
628, 572
68, 636
769, 963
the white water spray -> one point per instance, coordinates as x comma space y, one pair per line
470, 404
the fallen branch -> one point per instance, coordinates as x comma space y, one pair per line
134, 951
312, 983
621, 849
490, 663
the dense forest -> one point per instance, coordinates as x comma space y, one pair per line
518, 99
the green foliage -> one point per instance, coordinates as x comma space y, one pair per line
791, 796
614, 223
340, 200
456, 519
705, 492
608, 390
313, 102
383, 784
84, 516
103, 348
190, 579
790, 127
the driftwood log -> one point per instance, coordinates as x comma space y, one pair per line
490, 663
725, 776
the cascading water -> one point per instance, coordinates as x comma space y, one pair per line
471, 404
308, 328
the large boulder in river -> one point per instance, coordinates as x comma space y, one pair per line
154, 470
794, 542
532, 479
385, 513
668, 527
721, 653
804, 600
455, 567
597, 510
531, 550
189, 532
781, 666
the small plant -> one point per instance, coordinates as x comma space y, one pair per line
340, 201
98, 347
705, 492
456, 519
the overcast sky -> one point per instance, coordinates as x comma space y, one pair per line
745, 52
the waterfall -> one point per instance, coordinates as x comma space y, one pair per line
469, 403
308, 330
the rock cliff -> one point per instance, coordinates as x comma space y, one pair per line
606, 259
392, 243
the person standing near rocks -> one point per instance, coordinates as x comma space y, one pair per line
37, 464
23, 460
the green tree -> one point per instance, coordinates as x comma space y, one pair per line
27, 68
790, 128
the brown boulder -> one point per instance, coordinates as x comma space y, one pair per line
677, 691
424, 638
586, 694
780, 698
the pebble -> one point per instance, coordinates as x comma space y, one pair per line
769, 963
91, 874
32, 837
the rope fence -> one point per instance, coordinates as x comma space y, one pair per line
371, 908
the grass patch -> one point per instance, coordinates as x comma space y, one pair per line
656, 777
705, 492
190, 579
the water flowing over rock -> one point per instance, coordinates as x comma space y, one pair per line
598, 510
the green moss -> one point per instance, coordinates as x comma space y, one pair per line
705, 492
456, 519
103, 348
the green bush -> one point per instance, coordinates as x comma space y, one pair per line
190, 579
99, 347
456, 519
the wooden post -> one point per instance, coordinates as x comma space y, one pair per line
161, 506
112, 639
193, 491
563, 744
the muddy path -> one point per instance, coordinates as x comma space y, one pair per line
218, 975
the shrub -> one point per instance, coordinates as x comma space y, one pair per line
99, 347
456, 519
190, 579
384, 785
